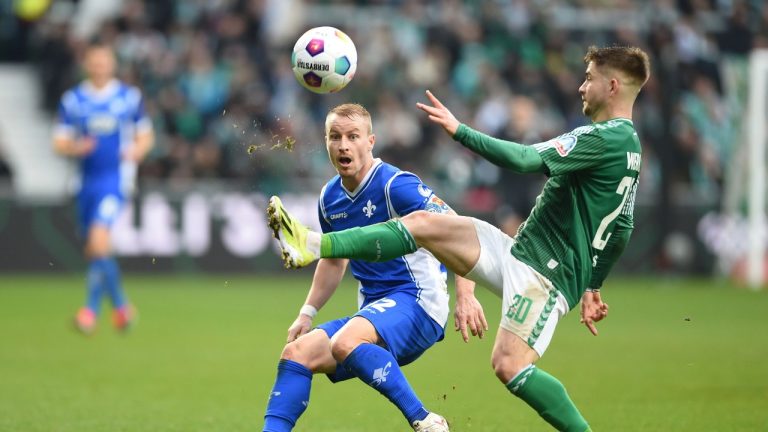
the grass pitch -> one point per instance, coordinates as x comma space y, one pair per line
674, 355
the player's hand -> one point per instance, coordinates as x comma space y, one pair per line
300, 326
133, 154
592, 310
469, 315
83, 146
439, 114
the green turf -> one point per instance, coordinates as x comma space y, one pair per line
672, 356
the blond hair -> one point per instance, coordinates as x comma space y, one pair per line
350, 110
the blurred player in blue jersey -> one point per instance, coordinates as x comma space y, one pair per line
102, 123
403, 303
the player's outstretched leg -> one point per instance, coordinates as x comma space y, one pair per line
378, 242
292, 235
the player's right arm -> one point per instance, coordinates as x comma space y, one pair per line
72, 147
506, 154
65, 139
328, 274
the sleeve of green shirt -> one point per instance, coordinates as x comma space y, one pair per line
506, 154
613, 250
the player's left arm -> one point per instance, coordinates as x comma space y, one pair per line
468, 313
142, 144
593, 309
408, 194
506, 154
144, 137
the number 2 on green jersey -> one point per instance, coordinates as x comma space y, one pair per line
624, 188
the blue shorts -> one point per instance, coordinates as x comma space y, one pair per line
404, 326
98, 207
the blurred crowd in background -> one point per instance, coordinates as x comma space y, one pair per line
218, 84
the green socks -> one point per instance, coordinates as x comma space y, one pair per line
378, 242
548, 397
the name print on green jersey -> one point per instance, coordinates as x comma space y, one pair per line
634, 160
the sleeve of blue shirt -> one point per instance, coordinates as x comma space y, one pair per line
407, 194
324, 225
139, 115
65, 121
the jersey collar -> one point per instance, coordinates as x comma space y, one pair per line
623, 119
102, 93
363, 184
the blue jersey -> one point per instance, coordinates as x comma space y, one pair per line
386, 193
111, 116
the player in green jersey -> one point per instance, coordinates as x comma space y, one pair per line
576, 231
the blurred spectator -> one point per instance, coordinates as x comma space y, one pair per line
704, 130
5, 168
223, 98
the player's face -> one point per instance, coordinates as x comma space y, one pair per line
349, 146
100, 64
594, 91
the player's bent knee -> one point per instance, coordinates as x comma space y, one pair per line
296, 351
503, 372
291, 351
418, 224
98, 245
343, 347
506, 368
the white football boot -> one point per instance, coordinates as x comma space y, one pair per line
432, 423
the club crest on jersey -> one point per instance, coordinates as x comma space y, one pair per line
564, 144
369, 209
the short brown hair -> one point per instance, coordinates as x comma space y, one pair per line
350, 110
631, 60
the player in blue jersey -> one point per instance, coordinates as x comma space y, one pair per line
403, 303
102, 123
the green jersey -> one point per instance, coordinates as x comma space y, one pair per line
583, 217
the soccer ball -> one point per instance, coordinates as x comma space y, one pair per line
324, 60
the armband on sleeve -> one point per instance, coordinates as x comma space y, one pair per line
435, 205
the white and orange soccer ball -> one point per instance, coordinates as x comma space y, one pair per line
324, 60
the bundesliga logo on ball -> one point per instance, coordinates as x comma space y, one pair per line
324, 60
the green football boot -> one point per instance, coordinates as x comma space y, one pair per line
291, 234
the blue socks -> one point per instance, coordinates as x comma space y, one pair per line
95, 285
104, 274
378, 368
371, 363
289, 397
112, 282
